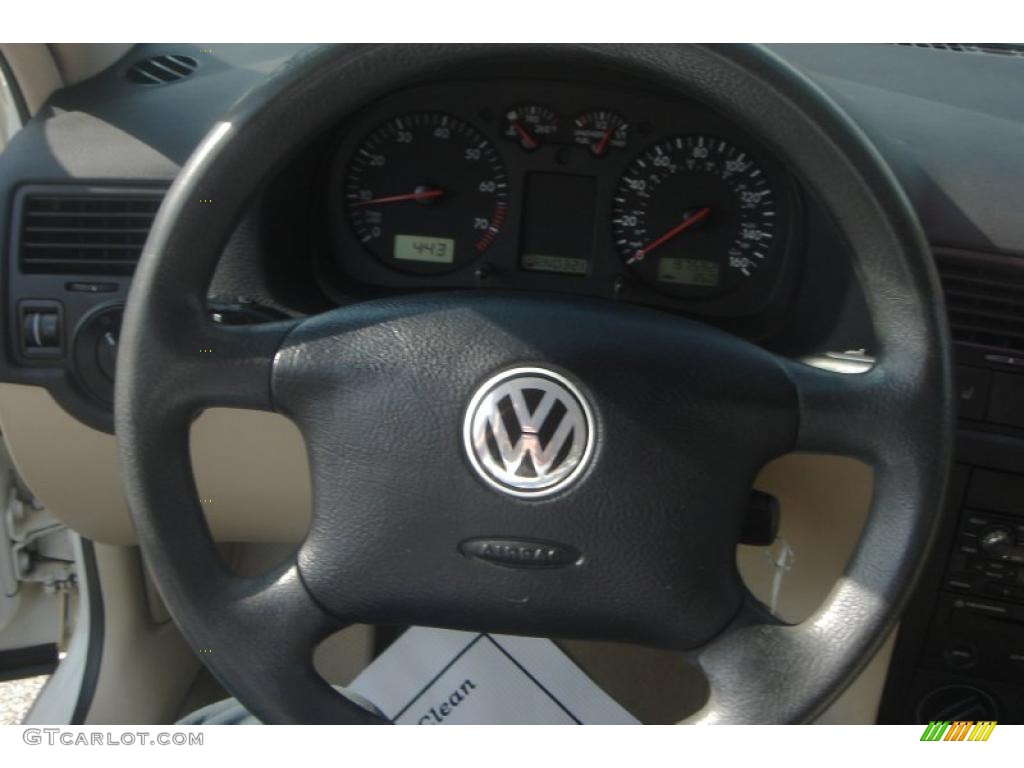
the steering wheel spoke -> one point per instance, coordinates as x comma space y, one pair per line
232, 364
215, 365
840, 412
278, 608
760, 670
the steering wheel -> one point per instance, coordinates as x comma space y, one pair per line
399, 400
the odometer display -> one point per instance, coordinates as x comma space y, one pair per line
695, 216
426, 193
437, 250
689, 271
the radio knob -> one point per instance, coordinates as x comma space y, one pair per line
996, 542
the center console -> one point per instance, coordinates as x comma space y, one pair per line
960, 649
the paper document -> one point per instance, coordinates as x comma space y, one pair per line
442, 677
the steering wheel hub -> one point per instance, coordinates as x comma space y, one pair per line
662, 442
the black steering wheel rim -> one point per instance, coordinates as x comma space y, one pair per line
897, 417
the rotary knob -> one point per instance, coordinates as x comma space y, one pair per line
996, 542
95, 351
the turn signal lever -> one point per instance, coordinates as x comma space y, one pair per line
761, 524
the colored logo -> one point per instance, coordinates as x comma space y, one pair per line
958, 730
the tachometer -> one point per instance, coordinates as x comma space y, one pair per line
426, 193
695, 216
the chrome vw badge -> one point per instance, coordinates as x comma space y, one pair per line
528, 432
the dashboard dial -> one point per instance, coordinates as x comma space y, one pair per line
600, 131
529, 125
695, 216
426, 193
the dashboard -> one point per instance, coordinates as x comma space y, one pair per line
564, 182
561, 186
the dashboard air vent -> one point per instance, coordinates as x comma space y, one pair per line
984, 298
157, 70
90, 233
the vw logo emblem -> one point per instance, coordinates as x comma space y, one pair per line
528, 432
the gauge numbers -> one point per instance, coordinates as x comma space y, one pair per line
530, 125
426, 193
695, 216
600, 131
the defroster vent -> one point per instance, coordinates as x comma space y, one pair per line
158, 70
984, 298
88, 233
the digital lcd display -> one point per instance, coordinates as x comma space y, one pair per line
564, 265
689, 272
558, 223
436, 250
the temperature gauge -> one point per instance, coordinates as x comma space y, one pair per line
530, 125
600, 131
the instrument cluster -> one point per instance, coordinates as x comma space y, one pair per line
561, 186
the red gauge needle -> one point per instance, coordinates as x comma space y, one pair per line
682, 226
528, 141
419, 194
602, 145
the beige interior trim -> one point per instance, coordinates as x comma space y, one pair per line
824, 502
41, 69
251, 465
34, 70
147, 667
79, 61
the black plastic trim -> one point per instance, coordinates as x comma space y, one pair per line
58, 375
97, 633
28, 662
19, 98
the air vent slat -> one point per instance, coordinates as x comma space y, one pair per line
160, 70
984, 299
171, 73
141, 75
981, 292
92, 214
970, 324
97, 230
984, 313
100, 233
110, 266
980, 285
84, 246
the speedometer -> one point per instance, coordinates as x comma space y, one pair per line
696, 216
426, 193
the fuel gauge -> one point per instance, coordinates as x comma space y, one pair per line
600, 131
530, 125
